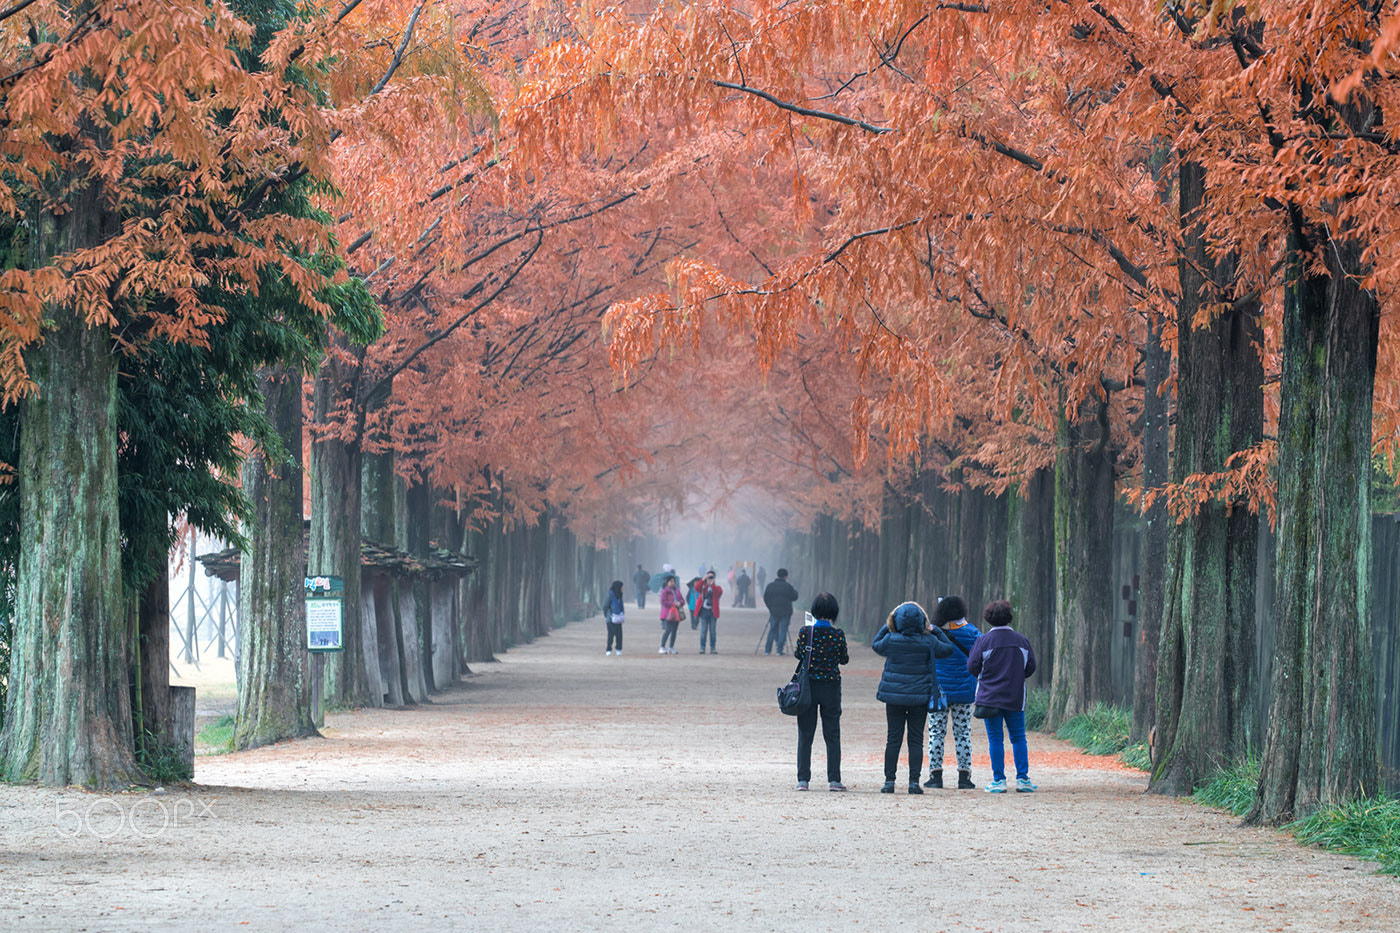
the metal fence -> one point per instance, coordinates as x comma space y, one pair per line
203, 609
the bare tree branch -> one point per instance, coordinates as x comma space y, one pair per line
805, 111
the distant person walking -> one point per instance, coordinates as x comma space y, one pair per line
910, 647
1001, 660
671, 603
692, 592
760, 578
613, 615
779, 597
959, 689
707, 597
642, 580
741, 584
827, 646
658, 579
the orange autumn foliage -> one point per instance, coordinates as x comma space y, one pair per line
148, 104
1003, 174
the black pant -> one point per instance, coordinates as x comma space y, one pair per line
826, 696
615, 631
902, 719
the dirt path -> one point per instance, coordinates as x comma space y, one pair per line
562, 790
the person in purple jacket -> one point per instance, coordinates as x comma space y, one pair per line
1002, 659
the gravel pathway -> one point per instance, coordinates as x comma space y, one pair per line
560, 790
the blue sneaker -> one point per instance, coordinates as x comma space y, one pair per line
997, 787
1024, 786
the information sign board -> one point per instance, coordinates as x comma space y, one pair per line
325, 599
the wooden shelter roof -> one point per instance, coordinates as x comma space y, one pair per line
439, 562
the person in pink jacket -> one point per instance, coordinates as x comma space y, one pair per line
671, 604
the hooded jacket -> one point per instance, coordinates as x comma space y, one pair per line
910, 676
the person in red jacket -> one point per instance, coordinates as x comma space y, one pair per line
707, 598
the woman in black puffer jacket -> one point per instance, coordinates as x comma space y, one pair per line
910, 646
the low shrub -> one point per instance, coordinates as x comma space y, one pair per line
1231, 789
162, 762
1137, 756
1103, 730
1037, 703
1369, 829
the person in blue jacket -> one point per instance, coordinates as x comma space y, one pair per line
1002, 659
910, 647
959, 690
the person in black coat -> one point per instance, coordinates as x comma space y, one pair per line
910, 646
827, 646
779, 597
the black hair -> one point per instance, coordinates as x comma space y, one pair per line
998, 612
949, 609
825, 607
616, 587
782, 573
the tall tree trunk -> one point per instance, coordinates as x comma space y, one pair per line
153, 624
379, 508
68, 707
391, 676
1083, 563
419, 518
333, 549
1156, 439
1030, 569
1320, 747
274, 682
1205, 682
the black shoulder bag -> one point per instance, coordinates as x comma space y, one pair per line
795, 696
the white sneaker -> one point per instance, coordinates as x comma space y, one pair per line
670, 650
618, 652
660, 650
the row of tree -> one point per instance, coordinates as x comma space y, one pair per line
265, 261
1073, 238
850, 246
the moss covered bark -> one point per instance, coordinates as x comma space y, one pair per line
1205, 683
274, 686
351, 675
68, 708
1083, 563
1320, 747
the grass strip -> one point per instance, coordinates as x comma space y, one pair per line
1231, 789
215, 738
1103, 730
1367, 828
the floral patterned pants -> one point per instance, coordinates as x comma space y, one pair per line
962, 735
